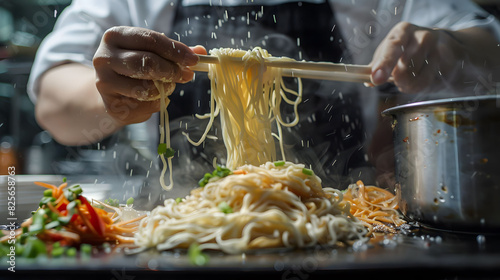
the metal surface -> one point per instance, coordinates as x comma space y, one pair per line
448, 162
420, 254
412, 253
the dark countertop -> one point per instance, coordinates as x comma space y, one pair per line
416, 252
419, 253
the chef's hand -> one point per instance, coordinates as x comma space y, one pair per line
128, 61
417, 58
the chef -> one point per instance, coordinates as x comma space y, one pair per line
92, 80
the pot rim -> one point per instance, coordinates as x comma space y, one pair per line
454, 102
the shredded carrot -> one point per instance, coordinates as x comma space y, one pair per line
374, 206
83, 221
45, 185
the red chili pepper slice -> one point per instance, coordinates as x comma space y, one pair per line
95, 219
62, 207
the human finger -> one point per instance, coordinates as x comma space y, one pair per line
415, 80
145, 65
135, 38
389, 52
129, 110
198, 49
111, 82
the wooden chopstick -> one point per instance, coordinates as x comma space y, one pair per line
304, 69
303, 65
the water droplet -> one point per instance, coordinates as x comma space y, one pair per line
359, 246
389, 243
438, 239
279, 266
481, 240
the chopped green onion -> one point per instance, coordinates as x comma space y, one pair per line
64, 180
33, 248
76, 189
53, 216
196, 256
38, 221
205, 179
64, 220
279, 163
130, 201
112, 202
73, 192
45, 200
71, 252
52, 224
71, 205
47, 193
57, 251
308, 172
19, 250
225, 207
163, 150
178, 200
219, 172
86, 249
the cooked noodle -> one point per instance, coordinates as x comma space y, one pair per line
272, 207
164, 136
248, 96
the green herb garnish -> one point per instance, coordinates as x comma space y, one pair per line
57, 251
71, 252
178, 200
45, 200
33, 248
219, 172
47, 193
196, 256
308, 172
279, 163
225, 207
112, 202
73, 192
130, 201
163, 150
86, 249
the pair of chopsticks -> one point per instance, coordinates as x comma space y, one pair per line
304, 69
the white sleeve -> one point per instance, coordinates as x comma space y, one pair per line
449, 14
76, 36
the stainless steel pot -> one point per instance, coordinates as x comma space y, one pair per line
447, 156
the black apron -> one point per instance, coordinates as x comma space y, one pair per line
330, 134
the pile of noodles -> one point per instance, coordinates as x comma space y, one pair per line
271, 206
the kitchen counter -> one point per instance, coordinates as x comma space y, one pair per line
414, 252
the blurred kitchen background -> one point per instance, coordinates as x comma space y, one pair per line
23, 144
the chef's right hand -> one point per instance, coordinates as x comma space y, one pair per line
129, 60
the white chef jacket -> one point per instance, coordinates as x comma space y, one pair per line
363, 24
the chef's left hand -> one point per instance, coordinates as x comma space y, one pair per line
417, 58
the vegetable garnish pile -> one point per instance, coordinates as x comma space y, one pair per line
67, 220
